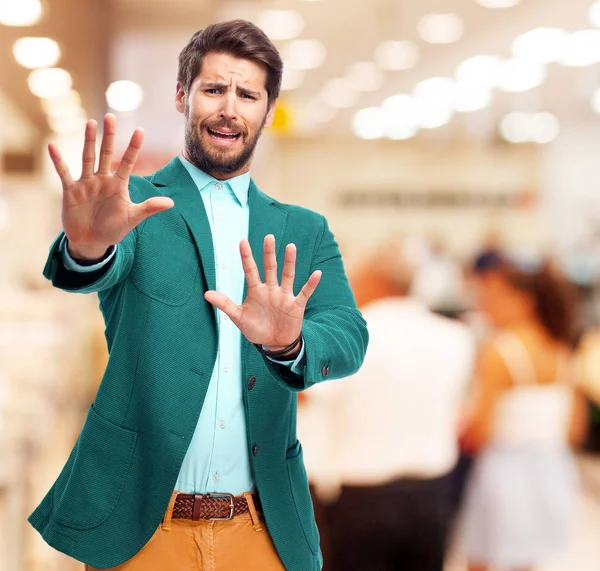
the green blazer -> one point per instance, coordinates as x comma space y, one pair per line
162, 338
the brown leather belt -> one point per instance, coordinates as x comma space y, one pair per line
212, 506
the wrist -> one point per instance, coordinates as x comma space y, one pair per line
86, 253
289, 356
282, 353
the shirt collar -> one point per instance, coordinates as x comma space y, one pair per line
239, 184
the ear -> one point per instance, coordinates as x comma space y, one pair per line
180, 96
270, 115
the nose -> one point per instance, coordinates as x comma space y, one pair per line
229, 111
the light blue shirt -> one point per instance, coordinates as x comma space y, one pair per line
218, 458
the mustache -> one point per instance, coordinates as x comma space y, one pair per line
226, 125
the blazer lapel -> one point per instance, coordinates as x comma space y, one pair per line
178, 184
265, 218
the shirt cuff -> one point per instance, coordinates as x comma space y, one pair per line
71, 265
296, 365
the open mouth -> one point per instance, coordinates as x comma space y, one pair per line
224, 135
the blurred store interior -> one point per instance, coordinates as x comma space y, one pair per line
441, 124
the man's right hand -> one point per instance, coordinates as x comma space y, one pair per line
97, 211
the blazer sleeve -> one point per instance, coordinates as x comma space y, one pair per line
112, 273
335, 333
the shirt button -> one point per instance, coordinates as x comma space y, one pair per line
251, 382
226, 368
225, 317
325, 370
218, 186
221, 424
255, 450
223, 266
216, 477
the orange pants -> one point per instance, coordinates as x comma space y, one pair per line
240, 544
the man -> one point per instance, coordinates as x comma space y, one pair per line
389, 433
189, 458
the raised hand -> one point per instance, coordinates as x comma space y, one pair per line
97, 211
271, 315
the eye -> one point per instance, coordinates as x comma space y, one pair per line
213, 91
248, 96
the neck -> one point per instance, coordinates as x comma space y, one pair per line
219, 175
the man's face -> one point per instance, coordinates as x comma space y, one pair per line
226, 110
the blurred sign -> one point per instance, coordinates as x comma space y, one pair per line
434, 199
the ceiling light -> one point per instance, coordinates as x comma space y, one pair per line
397, 55
401, 117
124, 95
339, 93
34, 53
515, 76
49, 82
20, 13
365, 76
292, 79
498, 3
436, 100
434, 117
514, 127
369, 123
594, 14
481, 70
441, 28
471, 97
541, 45
281, 24
304, 54
436, 92
543, 128
596, 101
580, 49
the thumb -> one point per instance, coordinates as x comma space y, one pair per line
150, 207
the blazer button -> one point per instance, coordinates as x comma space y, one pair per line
255, 450
325, 370
251, 382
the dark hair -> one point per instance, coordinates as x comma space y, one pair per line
554, 296
238, 38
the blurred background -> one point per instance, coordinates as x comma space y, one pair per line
451, 127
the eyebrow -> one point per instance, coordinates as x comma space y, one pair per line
221, 85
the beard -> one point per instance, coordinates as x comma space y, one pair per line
213, 160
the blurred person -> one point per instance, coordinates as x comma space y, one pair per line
438, 280
383, 461
519, 503
188, 458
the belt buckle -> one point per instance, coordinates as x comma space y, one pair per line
231, 506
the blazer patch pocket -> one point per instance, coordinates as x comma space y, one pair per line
302, 500
102, 457
166, 270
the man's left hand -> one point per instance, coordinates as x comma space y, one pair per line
271, 315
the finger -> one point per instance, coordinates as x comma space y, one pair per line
150, 207
249, 265
89, 150
270, 261
309, 288
108, 143
130, 155
60, 166
289, 269
222, 302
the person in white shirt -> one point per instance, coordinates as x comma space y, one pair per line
387, 437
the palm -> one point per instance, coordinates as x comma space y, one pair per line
271, 315
97, 210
